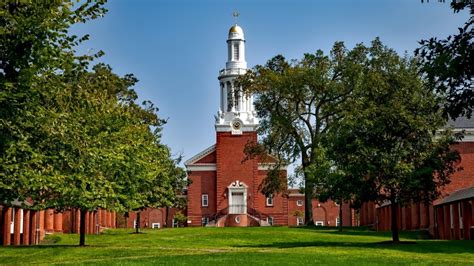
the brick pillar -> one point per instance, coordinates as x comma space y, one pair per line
415, 216
100, 221
91, 222
26, 227
33, 232
408, 218
77, 221
104, 218
440, 222
423, 216
7, 218
49, 220
447, 221
114, 219
17, 227
467, 222
41, 231
108, 219
58, 222
387, 218
457, 231
87, 222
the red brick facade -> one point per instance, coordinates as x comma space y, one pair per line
419, 216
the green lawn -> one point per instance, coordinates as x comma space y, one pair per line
241, 246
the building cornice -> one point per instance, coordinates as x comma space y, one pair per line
204, 167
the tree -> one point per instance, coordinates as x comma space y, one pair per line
448, 65
34, 47
297, 102
387, 134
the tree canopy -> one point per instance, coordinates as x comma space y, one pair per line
74, 136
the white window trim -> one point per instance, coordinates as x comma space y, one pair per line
158, 225
299, 203
319, 223
267, 203
205, 200
270, 220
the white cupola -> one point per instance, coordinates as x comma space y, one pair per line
236, 112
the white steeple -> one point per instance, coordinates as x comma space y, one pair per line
236, 112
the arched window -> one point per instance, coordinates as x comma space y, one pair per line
236, 52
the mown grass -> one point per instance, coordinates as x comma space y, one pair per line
242, 246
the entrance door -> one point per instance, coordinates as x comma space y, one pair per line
237, 205
237, 192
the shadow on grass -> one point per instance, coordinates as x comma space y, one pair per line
365, 231
429, 246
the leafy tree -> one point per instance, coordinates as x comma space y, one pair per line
386, 137
448, 65
34, 47
297, 102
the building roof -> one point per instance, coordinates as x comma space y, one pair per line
462, 194
462, 122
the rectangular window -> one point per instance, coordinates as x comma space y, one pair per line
270, 220
205, 200
236, 52
299, 221
269, 200
155, 225
319, 223
338, 222
299, 202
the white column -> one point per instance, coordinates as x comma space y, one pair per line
232, 96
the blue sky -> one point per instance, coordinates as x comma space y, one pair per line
176, 47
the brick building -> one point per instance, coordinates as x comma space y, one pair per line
419, 216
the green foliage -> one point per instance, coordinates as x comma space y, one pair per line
448, 65
386, 141
180, 218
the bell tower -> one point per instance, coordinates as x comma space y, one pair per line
236, 112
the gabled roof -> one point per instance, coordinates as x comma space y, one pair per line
465, 193
199, 156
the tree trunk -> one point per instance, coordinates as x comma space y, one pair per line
308, 206
82, 228
137, 227
394, 208
340, 217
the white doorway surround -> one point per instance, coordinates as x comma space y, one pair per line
237, 197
